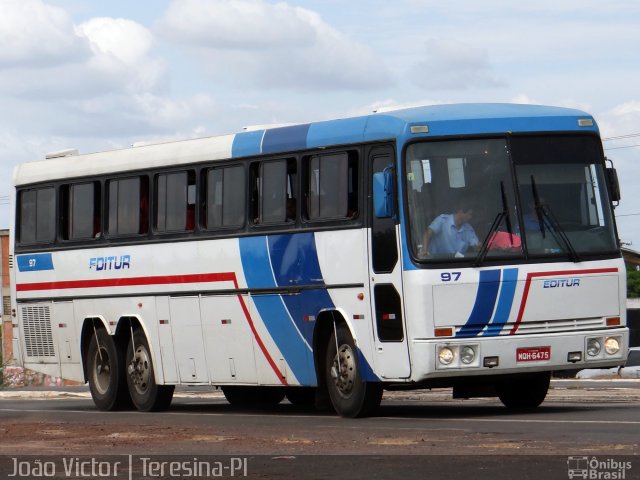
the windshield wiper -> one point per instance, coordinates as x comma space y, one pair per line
546, 217
504, 214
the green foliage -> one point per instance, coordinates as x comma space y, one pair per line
633, 283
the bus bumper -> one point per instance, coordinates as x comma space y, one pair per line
453, 357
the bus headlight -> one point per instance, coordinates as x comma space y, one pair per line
594, 347
467, 355
446, 356
611, 345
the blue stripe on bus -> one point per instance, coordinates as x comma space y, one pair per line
35, 262
285, 139
258, 273
341, 132
294, 262
288, 261
505, 301
485, 302
247, 143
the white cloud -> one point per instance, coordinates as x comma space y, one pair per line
239, 24
253, 42
36, 34
45, 56
121, 39
94, 88
453, 65
524, 99
622, 119
122, 53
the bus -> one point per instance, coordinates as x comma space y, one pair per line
303, 260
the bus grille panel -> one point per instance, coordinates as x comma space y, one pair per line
38, 336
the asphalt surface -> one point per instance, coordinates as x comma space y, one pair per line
417, 435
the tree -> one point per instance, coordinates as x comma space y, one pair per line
633, 283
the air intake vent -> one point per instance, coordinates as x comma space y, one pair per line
38, 338
6, 305
10, 261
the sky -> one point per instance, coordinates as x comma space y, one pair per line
97, 75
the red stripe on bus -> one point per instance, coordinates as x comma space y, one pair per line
128, 282
532, 275
160, 280
262, 346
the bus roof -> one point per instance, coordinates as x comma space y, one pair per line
439, 120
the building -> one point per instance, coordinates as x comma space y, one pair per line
631, 258
7, 330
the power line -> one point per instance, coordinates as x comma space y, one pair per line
626, 146
620, 137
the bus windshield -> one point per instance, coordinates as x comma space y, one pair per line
463, 204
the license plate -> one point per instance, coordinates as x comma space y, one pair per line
533, 354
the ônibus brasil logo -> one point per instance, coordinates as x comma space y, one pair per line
593, 468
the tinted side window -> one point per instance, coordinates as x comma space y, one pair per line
175, 202
128, 206
332, 186
80, 211
274, 190
383, 230
226, 200
37, 215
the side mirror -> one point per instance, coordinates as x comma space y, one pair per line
383, 204
612, 184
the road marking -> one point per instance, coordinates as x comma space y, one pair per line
429, 419
517, 420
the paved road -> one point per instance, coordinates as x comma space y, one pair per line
424, 435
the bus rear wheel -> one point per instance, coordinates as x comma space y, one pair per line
146, 394
350, 395
524, 392
105, 371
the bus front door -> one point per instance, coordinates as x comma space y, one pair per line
385, 283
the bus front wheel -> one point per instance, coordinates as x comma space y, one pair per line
524, 392
146, 394
350, 395
105, 371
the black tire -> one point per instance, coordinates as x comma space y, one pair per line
253, 397
350, 395
146, 394
106, 372
524, 392
301, 396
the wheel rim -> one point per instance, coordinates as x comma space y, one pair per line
343, 370
102, 370
140, 370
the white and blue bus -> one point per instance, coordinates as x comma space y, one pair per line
305, 260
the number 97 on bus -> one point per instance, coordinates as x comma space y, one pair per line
450, 276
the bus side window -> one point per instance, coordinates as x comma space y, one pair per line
80, 211
225, 197
37, 211
274, 192
128, 200
175, 202
331, 186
